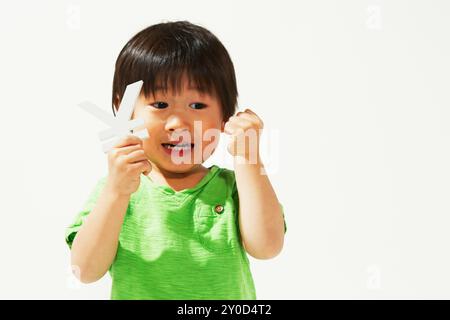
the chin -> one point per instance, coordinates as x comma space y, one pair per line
164, 162
179, 168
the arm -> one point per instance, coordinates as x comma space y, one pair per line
260, 216
95, 245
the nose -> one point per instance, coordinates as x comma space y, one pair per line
176, 122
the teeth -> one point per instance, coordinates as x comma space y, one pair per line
178, 146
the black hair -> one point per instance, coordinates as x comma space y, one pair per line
162, 53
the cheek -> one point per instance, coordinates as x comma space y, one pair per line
153, 128
152, 124
151, 147
154, 135
210, 134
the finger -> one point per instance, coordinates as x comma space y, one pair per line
128, 150
141, 166
136, 156
229, 127
248, 116
243, 122
232, 128
128, 140
248, 111
148, 169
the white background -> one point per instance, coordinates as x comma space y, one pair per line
357, 90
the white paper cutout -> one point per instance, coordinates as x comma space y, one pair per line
120, 125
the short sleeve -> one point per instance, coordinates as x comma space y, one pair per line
235, 196
72, 229
284, 218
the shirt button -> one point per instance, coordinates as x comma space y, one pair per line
218, 209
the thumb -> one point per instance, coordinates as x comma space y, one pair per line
147, 172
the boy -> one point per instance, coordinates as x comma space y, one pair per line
171, 229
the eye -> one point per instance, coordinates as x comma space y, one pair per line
198, 105
159, 105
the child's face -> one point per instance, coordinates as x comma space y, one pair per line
167, 115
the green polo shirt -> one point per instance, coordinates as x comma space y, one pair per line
179, 244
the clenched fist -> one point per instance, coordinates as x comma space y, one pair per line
245, 129
126, 162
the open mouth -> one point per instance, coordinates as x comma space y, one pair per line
178, 147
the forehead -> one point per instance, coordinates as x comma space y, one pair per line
184, 88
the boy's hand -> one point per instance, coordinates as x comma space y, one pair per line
126, 162
245, 129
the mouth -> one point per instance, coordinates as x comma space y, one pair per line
177, 149
180, 146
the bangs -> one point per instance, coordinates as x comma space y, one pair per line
171, 78
163, 65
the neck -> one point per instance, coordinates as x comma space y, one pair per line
178, 180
